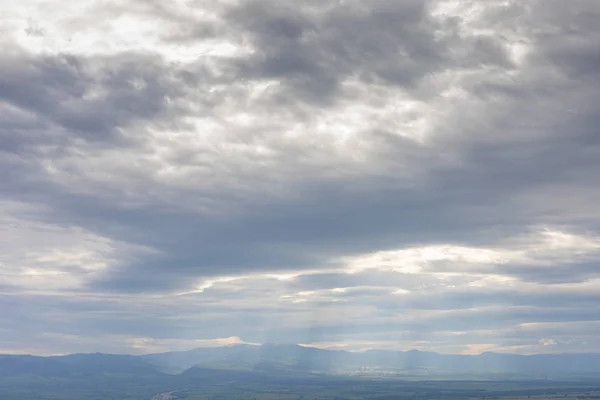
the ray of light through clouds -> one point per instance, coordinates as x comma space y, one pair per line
337, 173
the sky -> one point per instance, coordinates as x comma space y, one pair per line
390, 174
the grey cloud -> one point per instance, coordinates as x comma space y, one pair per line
238, 306
89, 98
392, 43
518, 149
569, 273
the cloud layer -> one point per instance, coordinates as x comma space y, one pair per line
382, 174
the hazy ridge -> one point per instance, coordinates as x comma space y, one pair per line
294, 359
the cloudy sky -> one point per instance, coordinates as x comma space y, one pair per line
395, 174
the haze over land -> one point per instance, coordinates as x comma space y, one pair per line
282, 361
289, 372
382, 174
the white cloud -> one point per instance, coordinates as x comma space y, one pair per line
543, 247
41, 256
547, 342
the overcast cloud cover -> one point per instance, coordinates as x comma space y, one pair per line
347, 174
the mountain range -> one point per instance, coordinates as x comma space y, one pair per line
295, 359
